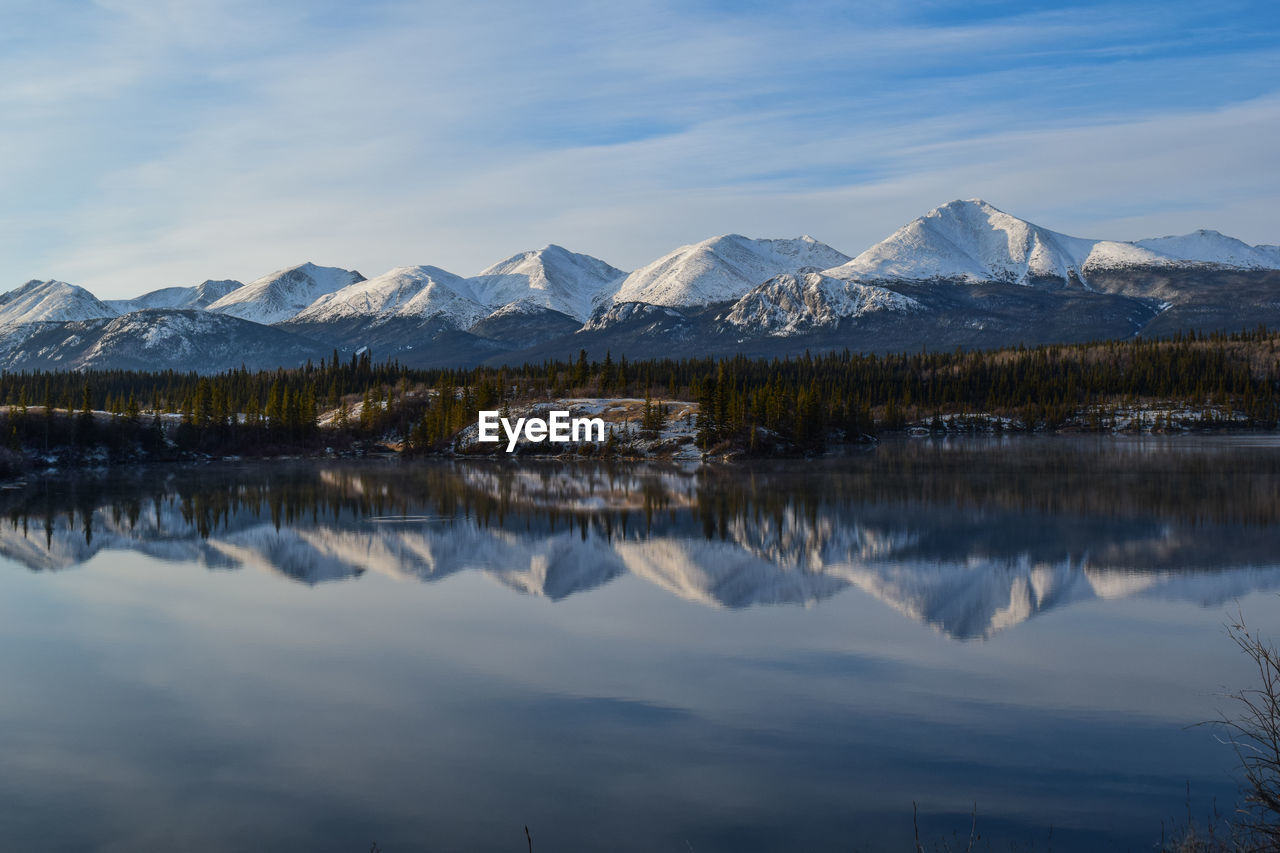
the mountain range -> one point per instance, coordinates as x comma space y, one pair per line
963, 275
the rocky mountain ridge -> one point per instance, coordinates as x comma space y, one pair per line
965, 274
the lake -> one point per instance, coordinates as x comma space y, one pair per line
779, 655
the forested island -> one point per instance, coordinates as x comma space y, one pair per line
716, 407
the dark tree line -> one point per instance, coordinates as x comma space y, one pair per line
801, 402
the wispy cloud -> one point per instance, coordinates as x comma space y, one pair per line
154, 143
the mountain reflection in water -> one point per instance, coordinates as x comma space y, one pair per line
970, 537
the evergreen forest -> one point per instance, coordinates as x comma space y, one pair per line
798, 405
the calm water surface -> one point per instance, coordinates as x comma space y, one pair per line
777, 656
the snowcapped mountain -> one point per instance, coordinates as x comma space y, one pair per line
722, 269
199, 296
283, 293
553, 278
973, 241
789, 304
724, 296
1213, 247
422, 292
50, 302
181, 339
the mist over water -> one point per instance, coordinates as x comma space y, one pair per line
776, 655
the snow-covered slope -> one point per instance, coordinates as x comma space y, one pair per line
531, 305
178, 339
520, 308
187, 335
552, 278
721, 269
283, 293
200, 296
1212, 247
422, 292
609, 316
790, 304
51, 302
973, 241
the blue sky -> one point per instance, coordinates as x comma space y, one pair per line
147, 143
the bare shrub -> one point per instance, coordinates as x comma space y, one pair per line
1253, 730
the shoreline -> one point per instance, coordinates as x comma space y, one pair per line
70, 459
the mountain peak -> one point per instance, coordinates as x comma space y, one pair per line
201, 295
552, 277
282, 294
419, 293
972, 240
1206, 246
722, 268
724, 239
51, 301
35, 284
966, 204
